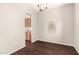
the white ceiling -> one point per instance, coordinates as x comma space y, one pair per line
44, 1
50, 5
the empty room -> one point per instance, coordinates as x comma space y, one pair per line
39, 28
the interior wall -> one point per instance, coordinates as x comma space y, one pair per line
51, 15
76, 27
63, 19
12, 26
68, 24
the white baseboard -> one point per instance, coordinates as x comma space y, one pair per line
55, 42
76, 49
34, 40
8, 53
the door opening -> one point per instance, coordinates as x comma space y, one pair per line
28, 30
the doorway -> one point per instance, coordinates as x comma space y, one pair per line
28, 29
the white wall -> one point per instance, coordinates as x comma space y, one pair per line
67, 24
12, 26
45, 17
76, 27
62, 16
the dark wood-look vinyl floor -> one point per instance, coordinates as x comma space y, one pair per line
46, 48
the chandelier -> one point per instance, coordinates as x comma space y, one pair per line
42, 6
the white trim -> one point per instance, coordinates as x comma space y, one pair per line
8, 53
56, 42
33, 41
76, 49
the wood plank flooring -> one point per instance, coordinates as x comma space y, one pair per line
46, 48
